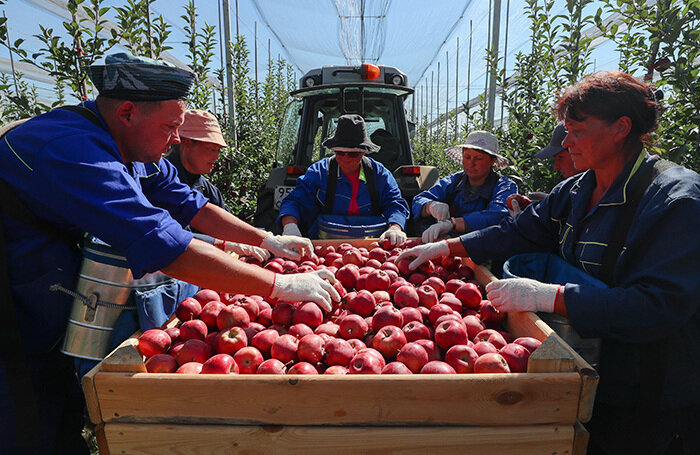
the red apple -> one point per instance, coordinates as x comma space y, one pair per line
396, 368
406, 296
188, 309
192, 351
357, 344
431, 348
427, 296
194, 329
231, 340
265, 317
378, 280
190, 368
451, 301
154, 341
438, 310
386, 315
469, 295
437, 367
461, 357
330, 328
411, 314
484, 347
338, 352
310, 348
353, 326
389, 340
300, 330
161, 363
417, 278
491, 363
373, 264
453, 284
275, 267
174, 334
308, 313
523, 201
264, 340
435, 283
336, 369
403, 266
450, 262
271, 366
285, 348
353, 256
365, 363
516, 356
209, 313
389, 266
232, 316
283, 314
363, 303
529, 343
379, 254
415, 330
474, 325
490, 314
413, 355
219, 364
203, 296
302, 368
248, 359
450, 333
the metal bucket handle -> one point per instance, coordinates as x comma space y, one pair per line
92, 301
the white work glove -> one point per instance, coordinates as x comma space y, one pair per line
242, 249
287, 246
424, 253
515, 208
291, 229
313, 286
523, 294
433, 232
394, 234
439, 210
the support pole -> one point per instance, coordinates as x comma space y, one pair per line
12, 60
437, 101
457, 89
256, 65
469, 70
223, 59
229, 71
447, 90
493, 68
150, 32
505, 58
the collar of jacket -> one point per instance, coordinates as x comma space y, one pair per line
185, 176
484, 192
618, 192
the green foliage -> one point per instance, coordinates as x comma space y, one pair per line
132, 31
243, 168
661, 41
200, 53
22, 103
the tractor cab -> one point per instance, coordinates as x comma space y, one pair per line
377, 93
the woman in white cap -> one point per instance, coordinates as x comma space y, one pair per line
471, 199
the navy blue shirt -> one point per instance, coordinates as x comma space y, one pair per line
69, 172
480, 209
657, 290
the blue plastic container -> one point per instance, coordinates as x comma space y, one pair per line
350, 227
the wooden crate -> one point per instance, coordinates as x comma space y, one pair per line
524, 413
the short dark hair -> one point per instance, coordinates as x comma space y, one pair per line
609, 96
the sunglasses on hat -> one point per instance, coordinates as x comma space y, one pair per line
348, 154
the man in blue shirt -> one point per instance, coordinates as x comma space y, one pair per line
101, 172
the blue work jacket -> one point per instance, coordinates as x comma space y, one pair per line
69, 172
484, 208
306, 201
656, 290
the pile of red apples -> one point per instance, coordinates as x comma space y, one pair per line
391, 320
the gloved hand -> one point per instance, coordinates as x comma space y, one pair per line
514, 208
394, 234
242, 249
287, 246
439, 210
433, 232
291, 229
313, 286
424, 253
523, 294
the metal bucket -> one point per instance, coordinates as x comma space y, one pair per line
102, 293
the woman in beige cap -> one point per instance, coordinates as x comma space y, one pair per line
201, 141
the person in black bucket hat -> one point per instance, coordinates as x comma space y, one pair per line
347, 191
98, 168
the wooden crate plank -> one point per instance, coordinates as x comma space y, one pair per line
483, 399
551, 356
312, 440
101, 438
124, 359
581, 436
91, 399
